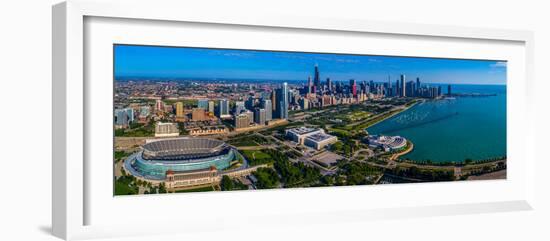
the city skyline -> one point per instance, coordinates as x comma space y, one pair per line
184, 62
315, 120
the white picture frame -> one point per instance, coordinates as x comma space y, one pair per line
72, 191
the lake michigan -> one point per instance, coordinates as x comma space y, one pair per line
453, 129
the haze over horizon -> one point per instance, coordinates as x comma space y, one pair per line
184, 62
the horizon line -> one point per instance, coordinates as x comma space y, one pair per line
144, 78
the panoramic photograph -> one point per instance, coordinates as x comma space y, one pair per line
189, 119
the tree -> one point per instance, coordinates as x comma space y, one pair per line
267, 178
226, 184
162, 188
337, 146
119, 132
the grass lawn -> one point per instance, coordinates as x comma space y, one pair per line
340, 131
357, 115
122, 188
256, 157
243, 142
119, 155
138, 132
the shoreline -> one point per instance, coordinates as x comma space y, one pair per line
399, 156
451, 164
393, 114
396, 156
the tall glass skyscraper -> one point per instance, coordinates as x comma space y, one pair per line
402, 88
282, 104
266, 104
416, 93
317, 79
223, 108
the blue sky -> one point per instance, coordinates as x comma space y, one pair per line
178, 62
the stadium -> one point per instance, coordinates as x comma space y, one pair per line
181, 154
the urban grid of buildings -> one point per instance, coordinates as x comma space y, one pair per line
260, 110
183, 162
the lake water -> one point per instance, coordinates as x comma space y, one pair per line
453, 129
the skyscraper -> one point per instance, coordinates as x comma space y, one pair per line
402, 88
417, 85
275, 113
411, 88
339, 87
309, 85
130, 113
241, 121
266, 104
180, 115
250, 115
282, 104
389, 89
329, 85
223, 108
259, 116
121, 117
239, 107
250, 103
397, 88
316, 79
449, 90
433, 92
371, 85
211, 106
353, 87
304, 103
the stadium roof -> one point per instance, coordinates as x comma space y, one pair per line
183, 148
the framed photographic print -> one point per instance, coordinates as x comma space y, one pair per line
191, 119
228, 118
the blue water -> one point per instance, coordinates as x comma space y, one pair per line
453, 129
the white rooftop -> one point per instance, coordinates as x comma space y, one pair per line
303, 130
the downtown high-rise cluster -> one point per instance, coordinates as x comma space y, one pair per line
399, 88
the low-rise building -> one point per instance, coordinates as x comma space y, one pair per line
299, 134
312, 137
144, 112
208, 130
319, 140
191, 178
166, 130
199, 114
